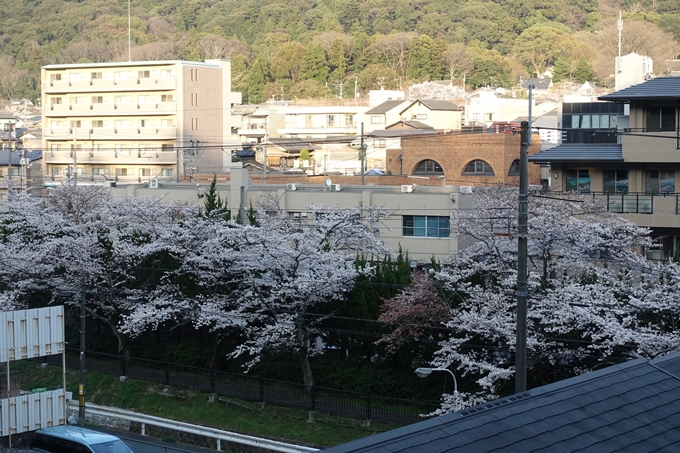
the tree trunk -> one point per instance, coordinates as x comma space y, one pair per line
303, 353
123, 351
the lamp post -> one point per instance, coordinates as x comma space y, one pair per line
424, 372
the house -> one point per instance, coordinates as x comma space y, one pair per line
137, 121
24, 169
444, 116
625, 151
380, 116
319, 122
484, 106
634, 406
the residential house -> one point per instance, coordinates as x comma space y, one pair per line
633, 406
444, 116
7, 125
22, 170
137, 121
319, 122
382, 115
625, 151
485, 105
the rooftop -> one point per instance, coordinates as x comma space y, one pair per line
659, 88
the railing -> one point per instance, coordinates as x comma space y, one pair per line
659, 132
627, 203
252, 388
217, 434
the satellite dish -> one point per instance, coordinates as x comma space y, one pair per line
328, 181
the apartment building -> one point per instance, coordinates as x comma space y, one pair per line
625, 151
137, 121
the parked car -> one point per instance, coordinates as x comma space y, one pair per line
76, 439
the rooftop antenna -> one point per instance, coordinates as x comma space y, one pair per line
620, 28
130, 34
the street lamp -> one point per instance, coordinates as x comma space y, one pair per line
425, 372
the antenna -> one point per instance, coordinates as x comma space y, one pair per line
130, 34
620, 28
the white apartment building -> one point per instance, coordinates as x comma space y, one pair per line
137, 121
321, 121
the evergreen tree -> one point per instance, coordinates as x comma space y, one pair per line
213, 204
258, 76
337, 61
314, 64
584, 71
562, 70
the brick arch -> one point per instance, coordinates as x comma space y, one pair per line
478, 162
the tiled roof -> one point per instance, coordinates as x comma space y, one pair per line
410, 124
437, 104
538, 83
384, 107
16, 157
401, 132
291, 144
658, 88
580, 152
632, 407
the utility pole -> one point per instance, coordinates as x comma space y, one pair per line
81, 386
75, 158
9, 156
362, 154
522, 258
264, 150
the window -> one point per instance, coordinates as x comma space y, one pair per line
194, 124
143, 74
75, 123
121, 171
426, 226
77, 100
167, 123
167, 148
168, 172
74, 77
100, 171
97, 123
120, 75
55, 77
382, 143
331, 120
376, 119
144, 172
659, 181
123, 124
125, 99
488, 117
616, 181
56, 100
143, 98
660, 118
429, 166
194, 98
479, 167
97, 99
57, 171
167, 98
95, 76
577, 181
514, 168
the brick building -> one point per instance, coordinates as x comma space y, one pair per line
463, 159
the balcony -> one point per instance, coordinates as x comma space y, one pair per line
124, 157
627, 203
146, 108
104, 133
109, 85
646, 145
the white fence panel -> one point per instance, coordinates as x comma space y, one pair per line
31, 333
33, 411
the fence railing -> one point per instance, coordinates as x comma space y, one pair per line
253, 388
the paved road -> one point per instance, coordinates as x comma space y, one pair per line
146, 444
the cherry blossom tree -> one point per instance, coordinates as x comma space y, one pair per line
593, 300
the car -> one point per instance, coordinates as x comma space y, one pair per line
76, 439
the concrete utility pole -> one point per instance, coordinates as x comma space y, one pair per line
522, 258
81, 386
362, 153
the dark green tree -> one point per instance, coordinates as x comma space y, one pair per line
258, 76
584, 71
213, 203
314, 65
562, 70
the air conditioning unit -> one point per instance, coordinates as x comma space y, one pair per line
296, 215
335, 187
291, 186
153, 183
406, 188
465, 189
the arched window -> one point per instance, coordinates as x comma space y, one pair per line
514, 168
478, 167
429, 166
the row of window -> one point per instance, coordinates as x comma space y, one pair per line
476, 167
118, 99
118, 124
106, 171
617, 181
116, 75
119, 147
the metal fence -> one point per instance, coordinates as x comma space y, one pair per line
252, 388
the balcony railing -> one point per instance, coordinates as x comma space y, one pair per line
666, 133
627, 203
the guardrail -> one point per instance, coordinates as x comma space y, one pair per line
217, 434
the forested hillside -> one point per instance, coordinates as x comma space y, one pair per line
310, 48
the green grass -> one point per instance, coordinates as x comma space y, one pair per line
188, 405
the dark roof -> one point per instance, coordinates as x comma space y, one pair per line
580, 152
539, 84
437, 104
385, 107
658, 88
633, 407
16, 157
291, 144
412, 124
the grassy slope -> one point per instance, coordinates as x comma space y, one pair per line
187, 405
